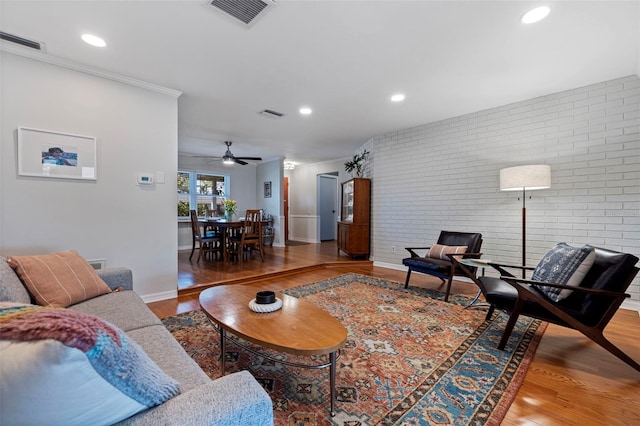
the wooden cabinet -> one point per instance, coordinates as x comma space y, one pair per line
355, 213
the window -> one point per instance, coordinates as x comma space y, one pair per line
201, 192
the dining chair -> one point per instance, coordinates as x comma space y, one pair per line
208, 243
248, 238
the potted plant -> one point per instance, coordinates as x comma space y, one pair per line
356, 164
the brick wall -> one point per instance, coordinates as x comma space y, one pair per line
445, 175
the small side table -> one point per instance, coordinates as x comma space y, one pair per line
474, 263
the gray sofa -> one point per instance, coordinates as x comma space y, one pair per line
235, 399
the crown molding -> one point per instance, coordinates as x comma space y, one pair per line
76, 66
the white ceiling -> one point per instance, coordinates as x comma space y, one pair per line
344, 59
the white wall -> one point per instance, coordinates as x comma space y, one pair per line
303, 198
444, 176
111, 218
272, 171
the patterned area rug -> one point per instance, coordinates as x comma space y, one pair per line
410, 358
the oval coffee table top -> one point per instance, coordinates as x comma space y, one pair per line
299, 327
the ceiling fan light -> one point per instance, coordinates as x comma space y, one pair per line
227, 160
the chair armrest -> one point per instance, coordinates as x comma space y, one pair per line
500, 268
117, 277
509, 279
453, 257
505, 265
413, 253
528, 293
233, 400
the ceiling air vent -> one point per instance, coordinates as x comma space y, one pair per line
271, 113
245, 11
19, 40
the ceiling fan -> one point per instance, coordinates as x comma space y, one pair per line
229, 158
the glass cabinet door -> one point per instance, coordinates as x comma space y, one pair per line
347, 202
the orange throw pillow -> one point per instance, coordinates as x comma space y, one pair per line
439, 251
58, 279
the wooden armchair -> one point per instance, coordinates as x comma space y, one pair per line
588, 309
441, 266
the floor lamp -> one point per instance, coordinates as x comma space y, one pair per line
525, 178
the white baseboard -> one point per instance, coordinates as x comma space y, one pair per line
390, 266
304, 240
156, 297
631, 305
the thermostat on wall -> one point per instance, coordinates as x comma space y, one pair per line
145, 179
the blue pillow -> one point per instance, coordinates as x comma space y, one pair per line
61, 366
565, 265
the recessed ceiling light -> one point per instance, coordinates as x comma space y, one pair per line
397, 97
305, 111
535, 15
93, 40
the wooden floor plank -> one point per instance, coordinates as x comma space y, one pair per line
571, 381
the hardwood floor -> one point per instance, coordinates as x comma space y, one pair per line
571, 381
192, 276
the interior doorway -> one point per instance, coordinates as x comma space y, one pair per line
328, 206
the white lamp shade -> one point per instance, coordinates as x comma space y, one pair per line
525, 178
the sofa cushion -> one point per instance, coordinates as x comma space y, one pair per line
58, 279
11, 288
439, 251
565, 265
65, 367
124, 309
165, 351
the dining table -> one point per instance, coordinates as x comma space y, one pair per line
226, 228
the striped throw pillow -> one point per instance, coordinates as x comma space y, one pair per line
439, 251
58, 279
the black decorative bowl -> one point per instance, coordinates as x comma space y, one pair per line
265, 297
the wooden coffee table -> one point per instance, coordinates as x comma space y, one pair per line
298, 328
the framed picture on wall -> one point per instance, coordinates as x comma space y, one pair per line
267, 189
51, 154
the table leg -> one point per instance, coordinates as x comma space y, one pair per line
473, 302
223, 241
332, 381
222, 351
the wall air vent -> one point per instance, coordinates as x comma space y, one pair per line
245, 11
269, 113
19, 40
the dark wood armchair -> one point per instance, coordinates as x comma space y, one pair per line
443, 268
588, 309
